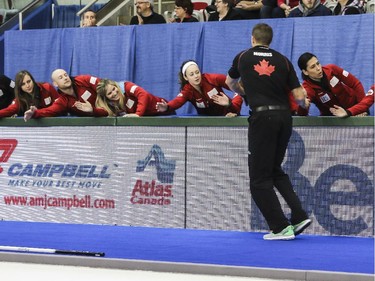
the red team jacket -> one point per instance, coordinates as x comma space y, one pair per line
211, 84
138, 101
48, 95
345, 90
85, 89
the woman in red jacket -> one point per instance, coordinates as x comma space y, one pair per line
111, 101
332, 89
29, 93
204, 91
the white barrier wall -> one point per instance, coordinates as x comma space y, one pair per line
180, 177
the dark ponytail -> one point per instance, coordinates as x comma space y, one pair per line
303, 60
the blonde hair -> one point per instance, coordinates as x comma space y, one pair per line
113, 108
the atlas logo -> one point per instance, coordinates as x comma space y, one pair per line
164, 168
150, 192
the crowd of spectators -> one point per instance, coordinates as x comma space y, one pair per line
223, 10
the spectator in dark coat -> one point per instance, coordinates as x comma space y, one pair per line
310, 8
224, 11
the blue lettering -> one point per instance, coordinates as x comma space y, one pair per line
294, 161
55, 169
82, 171
103, 174
322, 208
69, 171
49, 170
27, 171
92, 173
41, 170
14, 169
363, 196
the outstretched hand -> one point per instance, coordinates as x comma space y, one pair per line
29, 113
301, 97
338, 111
221, 99
161, 106
231, 114
131, 115
86, 106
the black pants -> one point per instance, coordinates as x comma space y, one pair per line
269, 134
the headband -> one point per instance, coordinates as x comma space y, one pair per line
186, 65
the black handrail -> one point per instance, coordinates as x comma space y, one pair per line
25, 11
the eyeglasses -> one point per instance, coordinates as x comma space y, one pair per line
139, 3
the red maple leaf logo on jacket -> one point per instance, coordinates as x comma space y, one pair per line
264, 68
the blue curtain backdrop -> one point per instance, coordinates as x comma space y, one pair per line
116, 55
150, 56
40, 18
346, 41
64, 16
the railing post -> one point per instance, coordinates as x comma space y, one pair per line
88, 5
20, 20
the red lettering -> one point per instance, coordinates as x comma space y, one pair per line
168, 190
137, 187
8, 146
150, 201
151, 193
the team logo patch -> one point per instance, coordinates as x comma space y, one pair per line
212, 93
333, 82
200, 104
93, 80
47, 101
325, 98
86, 95
264, 68
129, 103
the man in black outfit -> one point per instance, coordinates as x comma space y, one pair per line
267, 77
145, 13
